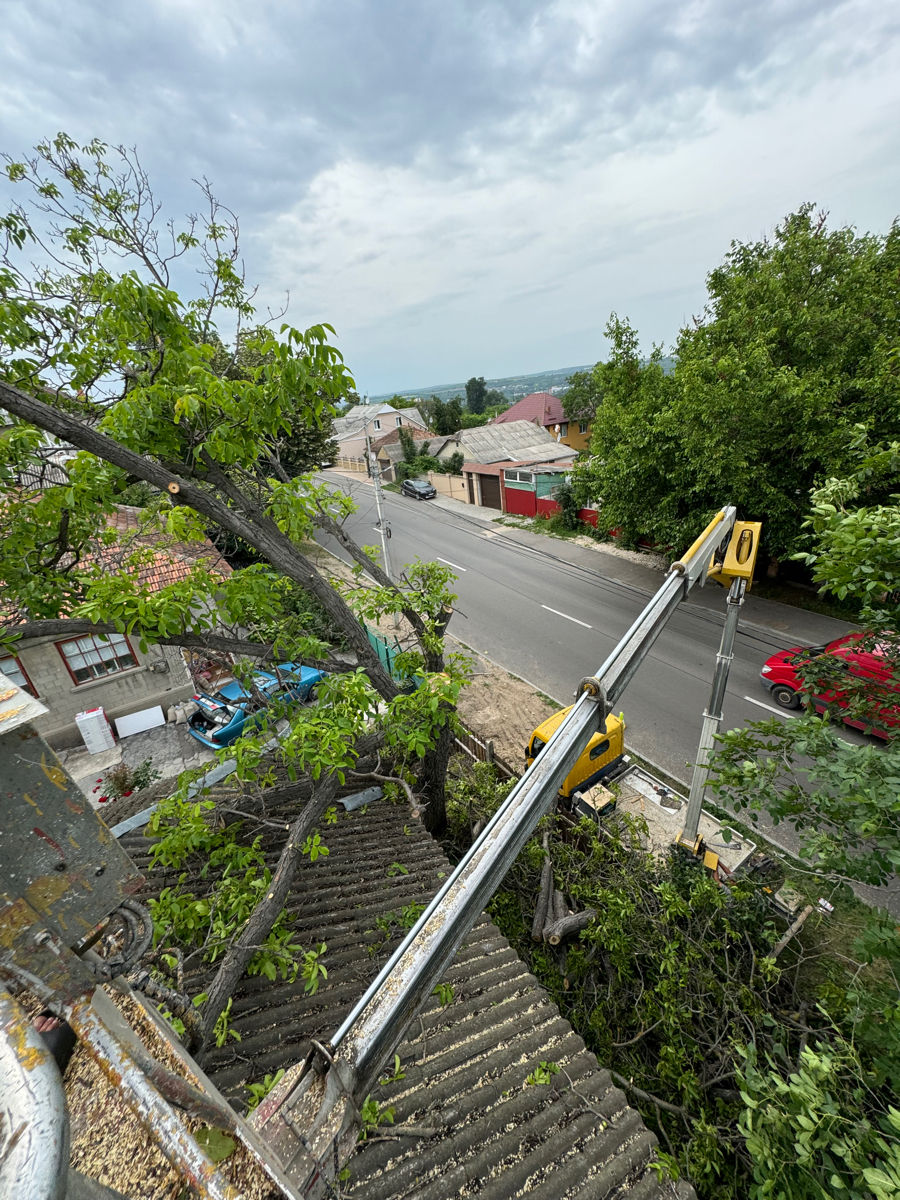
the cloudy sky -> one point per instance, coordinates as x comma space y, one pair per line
471, 187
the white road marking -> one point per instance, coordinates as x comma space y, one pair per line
566, 617
779, 712
450, 564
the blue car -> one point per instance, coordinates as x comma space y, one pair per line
224, 715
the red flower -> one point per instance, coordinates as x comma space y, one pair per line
103, 799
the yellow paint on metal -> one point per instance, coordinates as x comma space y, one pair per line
601, 750
710, 860
54, 773
740, 557
43, 892
698, 542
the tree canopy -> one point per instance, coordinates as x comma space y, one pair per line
476, 394
99, 354
794, 348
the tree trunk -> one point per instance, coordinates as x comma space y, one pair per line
433, 781
247, 521
266, 912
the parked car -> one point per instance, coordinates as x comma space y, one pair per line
419, 489
865, 661
222, 716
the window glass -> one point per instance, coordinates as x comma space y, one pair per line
95, 657
12, 669
600, 749
582, 426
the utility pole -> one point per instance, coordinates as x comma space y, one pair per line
383, 527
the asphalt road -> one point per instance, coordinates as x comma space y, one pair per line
551, 612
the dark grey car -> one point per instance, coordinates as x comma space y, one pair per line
417, 488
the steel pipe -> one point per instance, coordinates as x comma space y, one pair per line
34, 1123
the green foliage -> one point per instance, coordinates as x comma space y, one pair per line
476, 394
312, 969
674, 981
842, 799
793, 351
223, 1031
854, 525
444, 993
569, 505
583, 396
812, 1133
443, 416
542, 1074
217, 1145
314, 848
373, 1115
396, 1075
259, 1091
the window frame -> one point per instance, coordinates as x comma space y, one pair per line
29, 686
108, 674
582, 426
376, 424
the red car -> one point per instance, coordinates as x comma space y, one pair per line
870, 663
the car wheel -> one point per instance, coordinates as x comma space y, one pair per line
786, 697
312, 694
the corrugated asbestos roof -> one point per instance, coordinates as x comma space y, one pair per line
518, 441
486, 1132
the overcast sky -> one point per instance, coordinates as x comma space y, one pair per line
470, 188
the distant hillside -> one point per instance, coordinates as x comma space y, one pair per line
513, 387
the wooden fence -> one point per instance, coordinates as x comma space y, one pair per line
482, 750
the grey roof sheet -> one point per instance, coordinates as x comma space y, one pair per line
516, 441
354, 420
464, 1064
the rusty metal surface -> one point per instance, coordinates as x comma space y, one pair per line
34, 1125
57, 858
163, 1126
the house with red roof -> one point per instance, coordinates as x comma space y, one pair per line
110, 671
546, 410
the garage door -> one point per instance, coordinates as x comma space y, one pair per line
490, 491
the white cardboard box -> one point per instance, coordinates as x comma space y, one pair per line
137, 722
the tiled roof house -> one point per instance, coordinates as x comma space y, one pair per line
75, 674
546, 410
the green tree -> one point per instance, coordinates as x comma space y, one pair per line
443, 416
476, 394
308, 444
98, 350
582, 398
843, 800
495, 399
793, 349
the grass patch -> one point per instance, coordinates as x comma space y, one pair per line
796, 597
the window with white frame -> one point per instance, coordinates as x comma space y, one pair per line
399, 420
518, 476
377, 423
582, 426
564, 429
96, 656
15, 672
